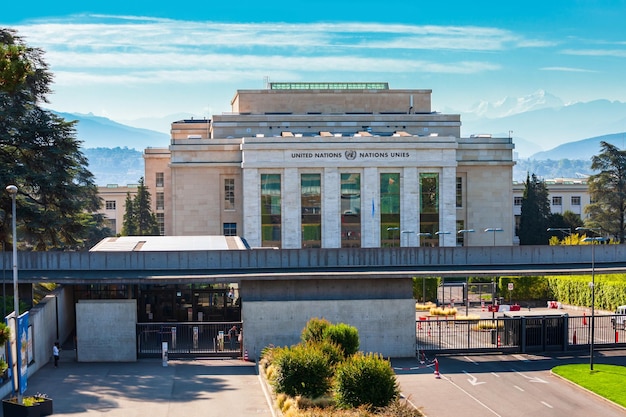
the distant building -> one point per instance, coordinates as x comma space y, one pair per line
331, 165
114, 204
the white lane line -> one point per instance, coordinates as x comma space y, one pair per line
496, 375
472, 397
546, 404
470, 360
519, 388
521, 358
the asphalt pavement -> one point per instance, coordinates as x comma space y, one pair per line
215, 387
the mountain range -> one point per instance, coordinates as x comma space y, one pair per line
542, 126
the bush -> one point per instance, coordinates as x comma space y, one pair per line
302, 370
347, 337
314, 330
365, 380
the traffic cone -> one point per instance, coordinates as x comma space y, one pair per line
574, 338
499, 341
616, 337
437, 375
584, 319
245, 355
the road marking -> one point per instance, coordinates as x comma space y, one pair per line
519, 388
531, 379
546, 404
496, 375
470, 360
472, 379
472, 397
521, 358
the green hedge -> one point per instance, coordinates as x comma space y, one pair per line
303, 369
610, 290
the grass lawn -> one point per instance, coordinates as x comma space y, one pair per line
605, 380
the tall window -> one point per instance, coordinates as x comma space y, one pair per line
350, 210
160, 179
429, 205
390, 209
575, 201
161, 222
557, 201
459, 191
229, 194
230, 229
160, 200
311, 206
109, 204
270, 210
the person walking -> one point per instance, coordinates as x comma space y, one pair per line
55, 354
232, 337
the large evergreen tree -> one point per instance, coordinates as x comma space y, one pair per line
535, 216
607, 190
139, 220
39, 153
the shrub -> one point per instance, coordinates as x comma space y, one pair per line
314, 330
347, 337
365, 380
302, 370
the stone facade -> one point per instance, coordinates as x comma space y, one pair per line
212, 171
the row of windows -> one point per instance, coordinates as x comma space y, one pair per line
556, 201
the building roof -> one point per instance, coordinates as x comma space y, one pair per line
169, 243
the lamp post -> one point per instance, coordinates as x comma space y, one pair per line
592, 284
565, 230
408, 236
443, 241
12, 190
493, 230
463, 232
393, 229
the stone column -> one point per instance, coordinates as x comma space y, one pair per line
290, 210
370, 208
447, 196
409, 206
251, 207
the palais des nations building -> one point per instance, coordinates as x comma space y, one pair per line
330, 165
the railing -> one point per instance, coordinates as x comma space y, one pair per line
517, 334
189, 339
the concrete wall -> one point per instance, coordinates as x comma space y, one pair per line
275, 312
106, 330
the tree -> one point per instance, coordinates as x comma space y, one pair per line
535, 216
607, 190
138, 218
39, 153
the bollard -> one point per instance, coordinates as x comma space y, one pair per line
437, 375
584, 319
616, 337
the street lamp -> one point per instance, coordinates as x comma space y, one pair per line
12, 190
592, 284
408, 236
567, 231
463, 232
442, 237
494, 230
391, 229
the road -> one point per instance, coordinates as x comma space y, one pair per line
502, 386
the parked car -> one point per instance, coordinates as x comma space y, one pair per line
619, 321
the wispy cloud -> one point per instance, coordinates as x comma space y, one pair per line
566, 69
616, 53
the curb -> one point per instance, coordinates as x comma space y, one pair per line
616, 405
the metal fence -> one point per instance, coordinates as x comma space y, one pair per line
518, 334
189, 339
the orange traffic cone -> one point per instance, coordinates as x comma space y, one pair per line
584, 319
499, 344
245, 355
437, 375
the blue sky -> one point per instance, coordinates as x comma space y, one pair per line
134, 59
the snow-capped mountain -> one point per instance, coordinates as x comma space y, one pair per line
509, 106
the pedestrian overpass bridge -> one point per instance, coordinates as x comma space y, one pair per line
227, 266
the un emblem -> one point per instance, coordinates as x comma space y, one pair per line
350, 155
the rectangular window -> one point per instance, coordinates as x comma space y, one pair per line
160, 179
517, 201
230, 229
161, 222
270, 210
557, 201
459, 192
390, 209
429, 207
160, 200
350, 210
229, 194
460, 237
109, 204
575, 200
311, 206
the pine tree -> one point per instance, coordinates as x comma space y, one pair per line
39, 153
607, 190
129, 226
138, 218
535, 216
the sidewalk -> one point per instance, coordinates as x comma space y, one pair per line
208, 387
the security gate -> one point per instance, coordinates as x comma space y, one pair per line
190, 339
